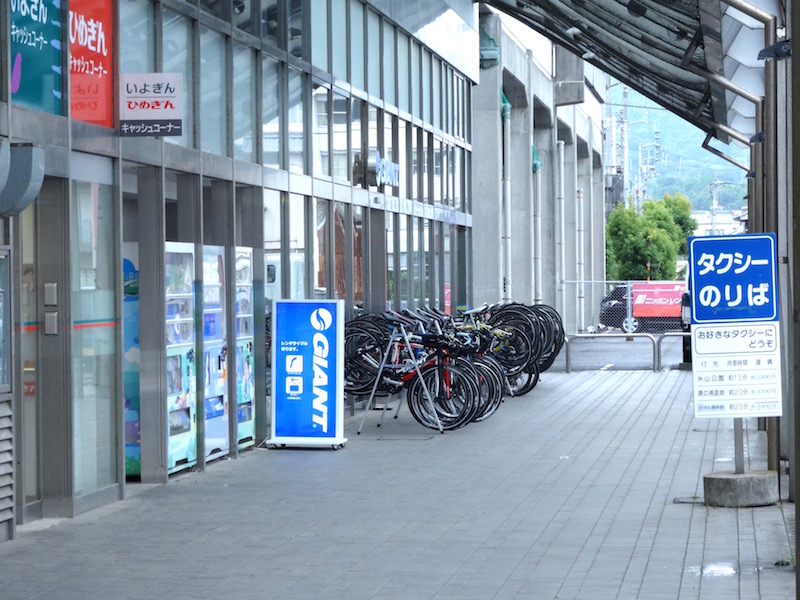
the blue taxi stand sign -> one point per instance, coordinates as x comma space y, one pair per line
307, 374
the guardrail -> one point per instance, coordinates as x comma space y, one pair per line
568, 340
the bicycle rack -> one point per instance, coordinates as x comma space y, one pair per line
400, 335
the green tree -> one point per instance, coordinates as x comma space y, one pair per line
681, 210
635, 239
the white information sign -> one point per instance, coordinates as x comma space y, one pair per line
737, 370
736, 355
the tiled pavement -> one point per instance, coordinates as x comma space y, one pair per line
588, 487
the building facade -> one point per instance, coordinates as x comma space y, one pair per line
189, 162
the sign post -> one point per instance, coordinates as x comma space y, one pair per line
308, 373
735, 329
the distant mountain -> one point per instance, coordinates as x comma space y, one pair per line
673, 155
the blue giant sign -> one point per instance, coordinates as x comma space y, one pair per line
308, 372
733, 278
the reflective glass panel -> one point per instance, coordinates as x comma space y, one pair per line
319, 34
339, 122
374, 125
321, 222
179, 58
296, 122
359, 252
94, 296
270, 22
214, 107
357, 143
295, 31
320, 123
136, 45
402, 71
391, 267
339, 260
30, 367
271, 114
340, 37
297, 247
357, 44
374, 53
244, 94
389, 61
402, 157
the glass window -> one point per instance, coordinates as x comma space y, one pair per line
341, 163
390, 124
446, 270
458, 184
322, 232
402, 157
428, 298
467, 189
436, 93
374, 53
447, 104
244, 94
339, 230
319, 35
467, 111
320, 124
244, 15
179, 58
339, 36
426, 86
296, 121
295, 30
415, 79
297, 247
427, 167
215, 7
391, 270
93, 293
437, 170
402, 71
416, 164
357, 143
402, 276
272, 246
359, 252
136, 47
374, 147
271, 113
29, 316
357, 44
389, 61
214, 109
270, 23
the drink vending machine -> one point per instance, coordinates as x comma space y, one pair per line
215, 353
245, 409
180, 358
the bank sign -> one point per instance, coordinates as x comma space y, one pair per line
736, 358
308, 373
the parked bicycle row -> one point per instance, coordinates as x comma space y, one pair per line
453, 369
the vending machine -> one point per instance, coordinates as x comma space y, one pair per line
245, 407
217, 440
130, 359
180, 357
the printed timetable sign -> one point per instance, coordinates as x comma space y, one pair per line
308, 373
736, 360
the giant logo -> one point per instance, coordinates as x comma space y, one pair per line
321, 320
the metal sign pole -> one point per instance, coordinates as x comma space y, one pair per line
738, 445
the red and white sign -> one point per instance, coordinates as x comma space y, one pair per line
91, 60
657, 299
